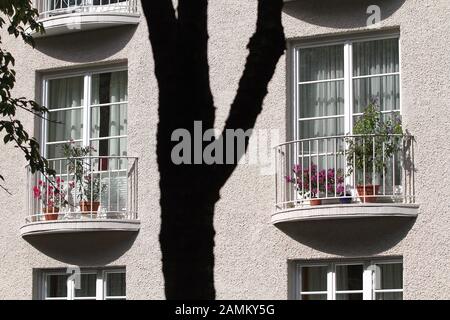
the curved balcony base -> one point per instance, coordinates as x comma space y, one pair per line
346, 211
76, 226
69, 23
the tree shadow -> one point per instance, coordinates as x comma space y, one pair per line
339, 14
84, 248
78, 46
350, 237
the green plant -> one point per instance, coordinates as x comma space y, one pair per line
374, 141
88, 185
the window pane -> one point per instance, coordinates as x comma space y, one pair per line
320, 128
311, 297
110, 147
57, 286
321, 63
55, 151
389, 276
384, 90
349, 296
65, 125
115, 285
314, 278
389, 296
375, 57
88, 284
321, 99
109, 87
349, 277
65, 93
109, 121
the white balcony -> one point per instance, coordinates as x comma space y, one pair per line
87, 194
67, 16
345, 177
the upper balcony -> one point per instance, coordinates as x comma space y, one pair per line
67, 16
338, 177
87, 194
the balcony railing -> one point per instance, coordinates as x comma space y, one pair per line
51, 8
345, 170
100, 188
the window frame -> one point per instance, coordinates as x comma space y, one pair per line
100, 284
295, 47
369, 290
86, 108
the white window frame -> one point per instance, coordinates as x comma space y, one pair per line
369, 281
100, 284
348, 79
86, 107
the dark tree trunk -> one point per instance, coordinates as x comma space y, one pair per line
190, 192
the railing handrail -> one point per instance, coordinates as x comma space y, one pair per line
93, 157
339, 137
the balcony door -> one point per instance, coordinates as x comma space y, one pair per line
333, 84
90, 109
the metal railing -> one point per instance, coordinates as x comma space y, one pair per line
84, 188
344, 170
50, 8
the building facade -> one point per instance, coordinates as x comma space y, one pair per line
303, 224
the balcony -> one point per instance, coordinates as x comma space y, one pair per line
87, 194
359, 176
67, 16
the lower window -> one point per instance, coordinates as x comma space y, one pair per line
359, 280
89, 284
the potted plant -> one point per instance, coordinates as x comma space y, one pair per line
345, 196
88, 186
309, 183
53, 197
374, 140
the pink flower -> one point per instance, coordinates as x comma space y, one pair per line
37, 192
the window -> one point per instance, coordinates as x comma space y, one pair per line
90, 109
365, 280
334, 83
108, 284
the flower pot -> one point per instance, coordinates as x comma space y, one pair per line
345, 200
89, 207
368, 193
50, 213
315, 202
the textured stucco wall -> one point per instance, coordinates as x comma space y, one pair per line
251, 254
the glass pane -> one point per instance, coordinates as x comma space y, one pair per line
55, 151
389, 296
109, 87
312, 297
314, 278
109, 121
320, 128
88, 287
349, 277
57, 286
389, 276
65, 93
110, 147
322, 63
115, 285
349, 296
384, 90
65, 125
375, 57
321, 99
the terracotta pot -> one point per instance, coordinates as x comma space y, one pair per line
315, 202
51, 213
368, 193
88, 207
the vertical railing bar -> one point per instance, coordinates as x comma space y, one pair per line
317, 170
384, 170
309, 173
118, 187
302, 168
364, 168
326, 168
109, 187
345, 170
335, 166
393, 173
373, 166
276, 178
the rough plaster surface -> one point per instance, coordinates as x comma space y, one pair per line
251, 254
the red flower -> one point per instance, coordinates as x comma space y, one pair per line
37, 192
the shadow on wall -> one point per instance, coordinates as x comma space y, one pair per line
340, 14
350, 237
87, 46
84, 249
